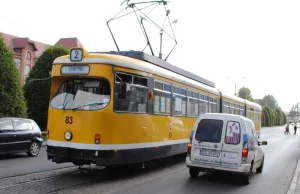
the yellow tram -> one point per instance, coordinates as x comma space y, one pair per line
119, 108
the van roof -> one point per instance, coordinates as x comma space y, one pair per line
223, 116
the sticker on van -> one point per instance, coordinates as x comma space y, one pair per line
233, 133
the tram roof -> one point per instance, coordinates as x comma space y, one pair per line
161, 63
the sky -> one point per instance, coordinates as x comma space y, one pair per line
254, 44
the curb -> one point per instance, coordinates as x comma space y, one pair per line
293, 185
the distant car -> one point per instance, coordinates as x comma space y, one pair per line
20, 135
225, 142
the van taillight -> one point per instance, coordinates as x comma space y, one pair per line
245, 152
189, 148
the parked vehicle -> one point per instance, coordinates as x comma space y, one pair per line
20, 135
225, 142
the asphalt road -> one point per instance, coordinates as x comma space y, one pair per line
20, 164
281, 155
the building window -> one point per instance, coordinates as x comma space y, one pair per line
28, 58
27, 70
28, 64
18, 65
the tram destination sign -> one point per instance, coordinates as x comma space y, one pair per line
75, 69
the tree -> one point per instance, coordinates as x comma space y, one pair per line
12, 101
278, 116
284, 118
37, 93
269, 101
294, 113
266, 117
245, 93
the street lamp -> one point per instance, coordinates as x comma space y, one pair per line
235, 85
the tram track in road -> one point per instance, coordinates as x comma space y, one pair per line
42, 171
71, 180
38, 182
34, 179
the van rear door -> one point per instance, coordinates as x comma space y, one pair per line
206, 144
231, 154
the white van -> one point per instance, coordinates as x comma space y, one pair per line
225, 142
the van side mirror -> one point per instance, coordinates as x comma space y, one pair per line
263, 143
123, 90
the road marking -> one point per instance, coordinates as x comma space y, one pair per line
293, 185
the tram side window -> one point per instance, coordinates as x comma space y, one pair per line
179, 101
192, 104
237, 107
231, 108
203, 104
217, 101
234, 108
212, 105
248, 113
251, 114
242, 110
136, 93
225, 107
162, 98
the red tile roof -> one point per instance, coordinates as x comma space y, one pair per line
15, 43
69, 42
41, 47
22, 42
8, 40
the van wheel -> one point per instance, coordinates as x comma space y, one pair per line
34, 149
194, 172
246, 178
260, 169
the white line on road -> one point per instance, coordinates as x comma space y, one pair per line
295, 179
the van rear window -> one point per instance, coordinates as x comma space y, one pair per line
209, 130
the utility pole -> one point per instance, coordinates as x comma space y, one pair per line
235, 90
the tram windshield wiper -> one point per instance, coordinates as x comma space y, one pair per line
90, 104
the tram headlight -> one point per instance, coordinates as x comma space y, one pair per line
68, 135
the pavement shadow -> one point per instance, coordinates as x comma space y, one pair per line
13, 156
215, 182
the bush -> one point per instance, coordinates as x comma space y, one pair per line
272, 117
37, 93
12, 101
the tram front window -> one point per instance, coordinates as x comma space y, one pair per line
82, 94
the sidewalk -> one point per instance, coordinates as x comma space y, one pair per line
295, 184
44, 143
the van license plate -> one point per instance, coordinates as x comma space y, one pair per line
209, 153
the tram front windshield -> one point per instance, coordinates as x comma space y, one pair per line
82, 94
